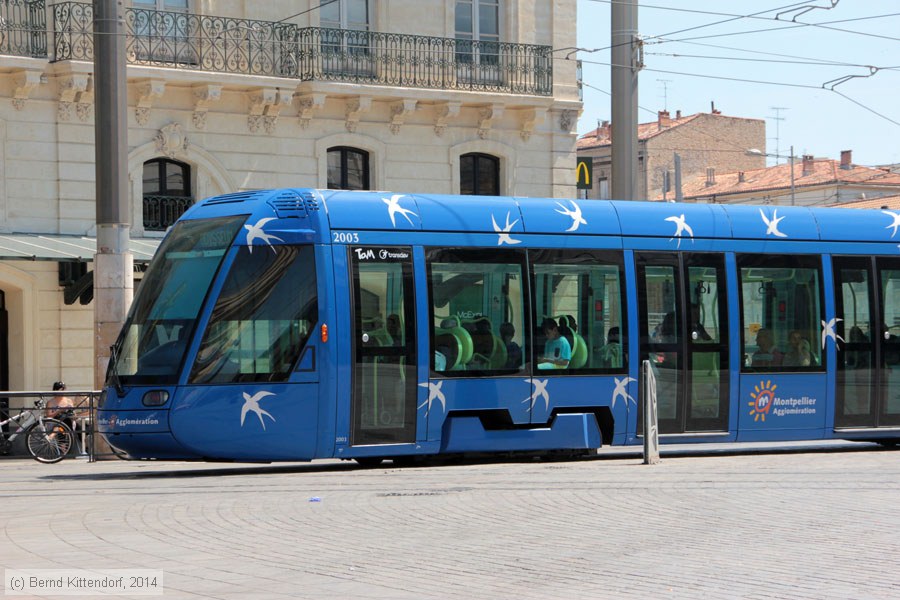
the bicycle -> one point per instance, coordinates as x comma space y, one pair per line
48, 440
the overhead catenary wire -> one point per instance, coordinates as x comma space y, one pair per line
823, 61
734, 17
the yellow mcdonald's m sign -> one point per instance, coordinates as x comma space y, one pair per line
584, 173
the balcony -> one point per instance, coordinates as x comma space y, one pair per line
23, 28
275, 49
160, 212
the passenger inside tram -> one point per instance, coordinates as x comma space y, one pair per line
767, 355
557, 351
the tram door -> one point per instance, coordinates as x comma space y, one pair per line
683, 331
384, 346
867, 298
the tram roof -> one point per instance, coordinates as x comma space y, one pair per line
379, 211
488, 214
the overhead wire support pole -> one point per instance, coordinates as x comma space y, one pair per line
626, 63
113, 262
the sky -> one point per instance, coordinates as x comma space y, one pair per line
768, 67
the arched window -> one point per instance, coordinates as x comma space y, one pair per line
167, 192
479, 174
348, 168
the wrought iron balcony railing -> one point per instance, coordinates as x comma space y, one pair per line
220, 44
162, 211
23, 28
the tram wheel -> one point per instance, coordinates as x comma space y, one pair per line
368, 462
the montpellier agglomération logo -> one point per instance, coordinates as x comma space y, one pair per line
763, 398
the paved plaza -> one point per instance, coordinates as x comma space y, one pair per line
814, 523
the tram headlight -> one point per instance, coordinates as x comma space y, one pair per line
155, 398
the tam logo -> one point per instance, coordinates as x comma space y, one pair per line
365, 254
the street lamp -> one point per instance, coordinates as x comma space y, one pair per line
758, 152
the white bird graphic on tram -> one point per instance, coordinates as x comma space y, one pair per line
681, 226
574, 214
829, 332
434, 393
255, 232
772, 224
394, 207
251, 404
895, 224
503, 234
621, 391
540, 389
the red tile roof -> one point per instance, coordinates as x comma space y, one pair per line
821, 172
601, 135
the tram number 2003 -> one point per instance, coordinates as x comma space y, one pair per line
345, 238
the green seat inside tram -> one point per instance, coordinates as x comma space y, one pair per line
579, 352
455, 342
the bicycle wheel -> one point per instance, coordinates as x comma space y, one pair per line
49, 441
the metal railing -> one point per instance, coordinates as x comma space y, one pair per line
23, 28
162, 211
221, 44
83, 417
396, 59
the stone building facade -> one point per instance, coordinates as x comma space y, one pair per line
229, 95
703, 141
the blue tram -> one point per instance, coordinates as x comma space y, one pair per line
297, 324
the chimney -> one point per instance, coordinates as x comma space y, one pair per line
712, 108
664, 120
678, 114
846, 159
807, 164
710, 176
741, 178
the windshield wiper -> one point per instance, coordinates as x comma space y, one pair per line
113, 371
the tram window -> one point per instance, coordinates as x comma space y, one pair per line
477, 311
262, 318
162, 318
581, 292
781, 312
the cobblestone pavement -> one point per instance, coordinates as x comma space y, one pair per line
805, 524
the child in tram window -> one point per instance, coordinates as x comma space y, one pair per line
513, 350
796, 356
557, 351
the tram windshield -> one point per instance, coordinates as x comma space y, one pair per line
164, 314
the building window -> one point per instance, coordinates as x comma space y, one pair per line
345, 14
479, 175
478, 38
345, 39
348, 169
167, 192
161, 38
